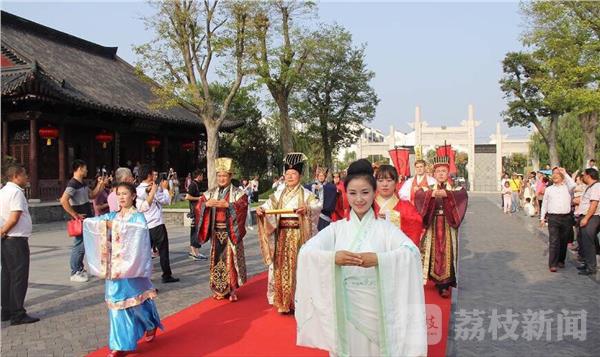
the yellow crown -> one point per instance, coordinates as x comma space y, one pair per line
224, 164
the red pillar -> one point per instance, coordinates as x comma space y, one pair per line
62, 164
33, 158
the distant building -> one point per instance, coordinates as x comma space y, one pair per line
484, 166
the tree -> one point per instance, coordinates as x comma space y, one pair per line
252, 144
527, 104
564, 36
188, 36
570, 144
514, 163
461, 160
280, 55
335, 97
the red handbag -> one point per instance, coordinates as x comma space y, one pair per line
75, 227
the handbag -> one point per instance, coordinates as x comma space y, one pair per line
75, 227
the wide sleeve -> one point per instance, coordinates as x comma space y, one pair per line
202, 217
425, 204
315, 292
411, 222
455, 206
405, 190
266, 226
96, 243
402, 304
238, 210
314, 207
131, 253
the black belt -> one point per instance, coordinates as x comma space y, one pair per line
559, 214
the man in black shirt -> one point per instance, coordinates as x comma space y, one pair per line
195, 190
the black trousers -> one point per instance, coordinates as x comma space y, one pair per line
160, 241
587, 244
560, 228
15, 276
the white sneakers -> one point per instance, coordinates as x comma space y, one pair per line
80, 277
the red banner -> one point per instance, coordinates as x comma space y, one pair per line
451, 154
400, 160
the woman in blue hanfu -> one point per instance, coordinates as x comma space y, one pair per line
360, 286
117, 247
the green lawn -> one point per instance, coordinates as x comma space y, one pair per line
180, 204
185, 204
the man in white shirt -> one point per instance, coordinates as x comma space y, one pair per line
15, 232
556, 205
588, 216
415, 183
150, 199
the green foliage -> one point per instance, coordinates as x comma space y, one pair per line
515, 163
252, 144
569, 142
559, 74
335, 98
349, 157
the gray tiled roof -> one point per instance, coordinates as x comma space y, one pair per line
70, 69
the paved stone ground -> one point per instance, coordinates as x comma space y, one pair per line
503, 265
73, 315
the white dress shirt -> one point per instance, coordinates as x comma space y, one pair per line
152, 212
557, 198
12, 199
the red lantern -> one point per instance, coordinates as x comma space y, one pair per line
48, 133
188, 146
104, 138
153, 143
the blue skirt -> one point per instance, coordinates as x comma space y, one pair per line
128, 325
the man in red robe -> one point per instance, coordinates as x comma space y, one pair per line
221, 217
443, 208
388, 205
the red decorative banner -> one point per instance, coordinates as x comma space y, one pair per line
400, 159
451, 154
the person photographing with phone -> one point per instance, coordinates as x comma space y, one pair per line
76, 202
152, 194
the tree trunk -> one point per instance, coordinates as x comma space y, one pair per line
325, 142
285, 127
589, 124
212, 150
552, 142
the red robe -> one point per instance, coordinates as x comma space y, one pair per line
341, 206
441, 217
408, 218
225, 227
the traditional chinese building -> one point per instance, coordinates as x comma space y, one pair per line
65, 98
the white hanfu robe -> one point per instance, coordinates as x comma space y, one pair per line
355, 311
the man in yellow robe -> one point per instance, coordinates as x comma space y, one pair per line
285, 222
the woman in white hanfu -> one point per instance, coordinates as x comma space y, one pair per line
359, 282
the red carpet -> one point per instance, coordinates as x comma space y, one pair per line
249, 327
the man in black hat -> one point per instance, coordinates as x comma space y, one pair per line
289, 218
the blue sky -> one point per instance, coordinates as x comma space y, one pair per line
441, 56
